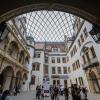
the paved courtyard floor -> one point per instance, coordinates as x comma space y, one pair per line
31, 96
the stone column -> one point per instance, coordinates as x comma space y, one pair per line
13, 82
7, 47
7, 83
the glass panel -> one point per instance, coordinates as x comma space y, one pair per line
49, 26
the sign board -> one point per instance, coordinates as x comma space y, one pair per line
60, 76
63, 77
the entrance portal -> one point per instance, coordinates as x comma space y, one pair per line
6, 78
94, 82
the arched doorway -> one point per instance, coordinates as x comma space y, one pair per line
6, 78
33, 77
94, 82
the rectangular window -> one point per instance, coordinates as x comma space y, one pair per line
38, 67
32, 80
54, 81
87, 55
67, 58
45, 69
59, 70
53, 70
69, 70
33, 67
53, 59
82, 38
84, 60
79, 43
64, 59
75, 49
65, 70
77, 64
37, 55
73, 65
46, 60
58, 59
85, 32
55, 49
58, 82
93, 52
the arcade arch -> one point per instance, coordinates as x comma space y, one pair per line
94, 82
6, 78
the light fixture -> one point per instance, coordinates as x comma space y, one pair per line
95, 33
3, 31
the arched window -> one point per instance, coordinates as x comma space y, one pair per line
13, 50
21, 57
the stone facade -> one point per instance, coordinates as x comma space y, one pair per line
13, 58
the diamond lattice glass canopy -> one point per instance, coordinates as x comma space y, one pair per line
49, 26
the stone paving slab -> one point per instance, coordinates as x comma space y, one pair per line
30, 95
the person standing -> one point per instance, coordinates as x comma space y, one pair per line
42, 92
37, 91
66, 92
5, 95
52, 93
56, 93
0, 90
84, 90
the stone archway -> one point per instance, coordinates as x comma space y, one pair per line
21, 57
6, 78
79, 8
94, 82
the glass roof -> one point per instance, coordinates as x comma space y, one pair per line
50, 26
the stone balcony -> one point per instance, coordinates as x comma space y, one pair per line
12, 60
91, 63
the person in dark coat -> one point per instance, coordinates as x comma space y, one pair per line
66, 92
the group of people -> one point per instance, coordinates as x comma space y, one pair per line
77, 93
39, 91
5, 95
54, 91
